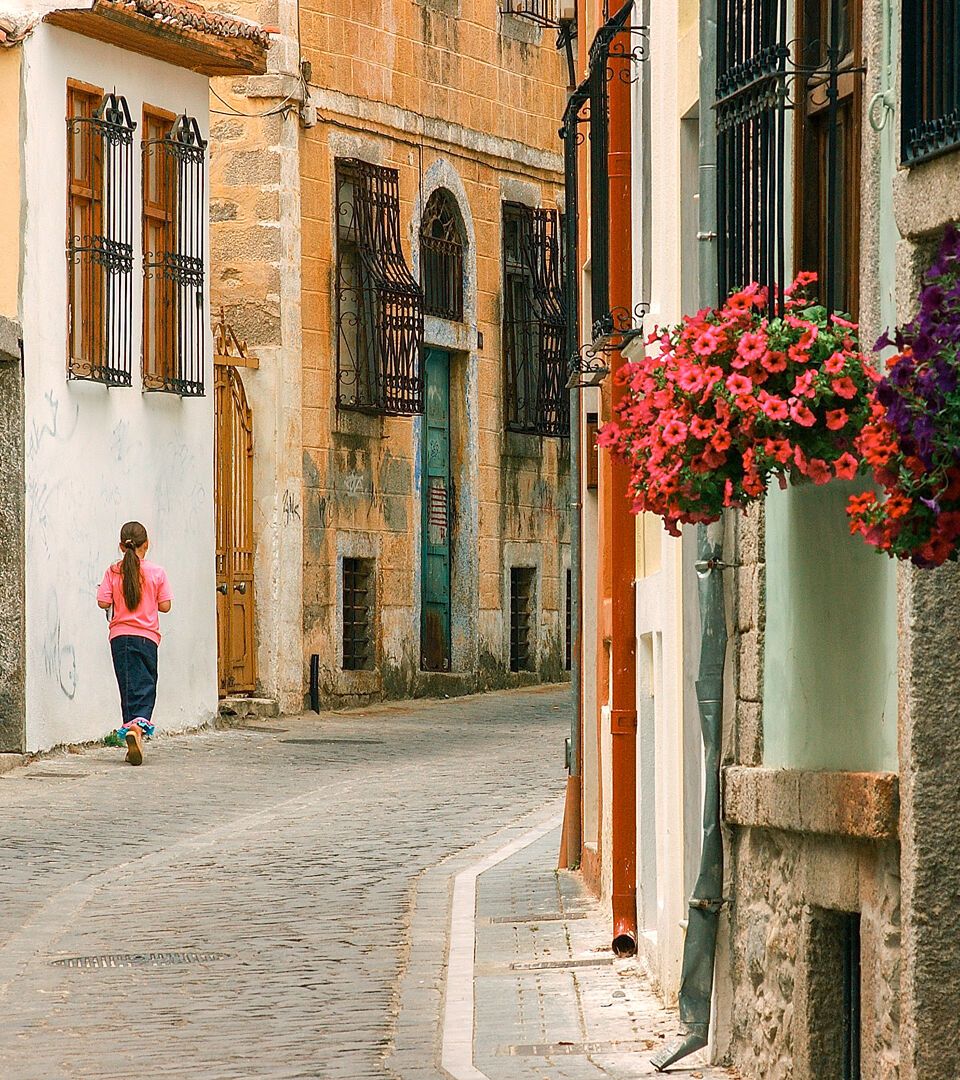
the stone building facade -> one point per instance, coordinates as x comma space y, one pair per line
431, 103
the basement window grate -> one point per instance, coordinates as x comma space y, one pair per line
357, 614
521, 617
850, 963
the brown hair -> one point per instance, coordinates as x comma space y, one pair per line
132, 536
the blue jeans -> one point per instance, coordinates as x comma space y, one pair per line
135, 662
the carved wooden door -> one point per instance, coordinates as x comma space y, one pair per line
233, 497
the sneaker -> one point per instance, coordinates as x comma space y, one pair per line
134, 746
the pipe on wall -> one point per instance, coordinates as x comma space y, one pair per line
620, 549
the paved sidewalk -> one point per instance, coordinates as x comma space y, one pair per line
550, 1001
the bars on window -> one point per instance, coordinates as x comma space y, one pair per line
522, 611
542, 12
379, 305
99, 236
752, 74
534, 323
930, 95
441, 257
357, 614
174, 325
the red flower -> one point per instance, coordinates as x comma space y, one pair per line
674, 432
834, 364
739, 384
836, 419
801, 414
846, 466
845, 387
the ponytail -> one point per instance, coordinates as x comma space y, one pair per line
132, 536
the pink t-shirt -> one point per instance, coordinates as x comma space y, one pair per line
145, 621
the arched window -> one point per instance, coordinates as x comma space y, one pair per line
441, 256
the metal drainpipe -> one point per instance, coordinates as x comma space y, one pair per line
574, 805
700, 944
621, 553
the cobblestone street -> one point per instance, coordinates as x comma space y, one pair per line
304, 883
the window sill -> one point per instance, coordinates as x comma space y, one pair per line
859, 805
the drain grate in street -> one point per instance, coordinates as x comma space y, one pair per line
551, 965
558, 1048
55, 775
123, 960
334, 742
553, 916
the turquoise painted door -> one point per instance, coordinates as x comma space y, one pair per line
437, 515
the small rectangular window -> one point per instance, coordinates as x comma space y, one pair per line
174, 226
99, 236
591, 466
379, 305
930, 93
357, 614
832, 991
536, 400
522, 611
568, 620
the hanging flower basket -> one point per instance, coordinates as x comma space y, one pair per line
912, 441
730, 398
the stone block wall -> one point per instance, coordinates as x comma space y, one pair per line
12, 656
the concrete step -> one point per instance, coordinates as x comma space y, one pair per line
234, 711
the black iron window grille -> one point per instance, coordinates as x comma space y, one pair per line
930, 121
357, 614
379, 305
615, 53
522, 611
441, 257
752, 86
541, 12
174, 223
534, 322
99, 236
758, 83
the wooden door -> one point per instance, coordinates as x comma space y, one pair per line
436, 515
233, 497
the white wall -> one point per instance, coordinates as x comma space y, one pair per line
96, 457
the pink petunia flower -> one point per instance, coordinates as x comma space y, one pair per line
674, 432
801, 414
837, 419
774, 362
835, 364
845, 387
775, 408
739, 384
752, 346
846, 466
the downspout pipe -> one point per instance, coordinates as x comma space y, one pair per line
700, 943
622, 537
573, 834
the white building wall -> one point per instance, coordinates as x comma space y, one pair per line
664, 763
98, 456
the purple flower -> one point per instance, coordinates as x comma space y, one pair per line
931, 298
924, 347
931, 504
882, 342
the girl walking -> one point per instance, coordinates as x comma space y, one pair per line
134, 591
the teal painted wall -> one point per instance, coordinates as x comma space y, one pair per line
830, 644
